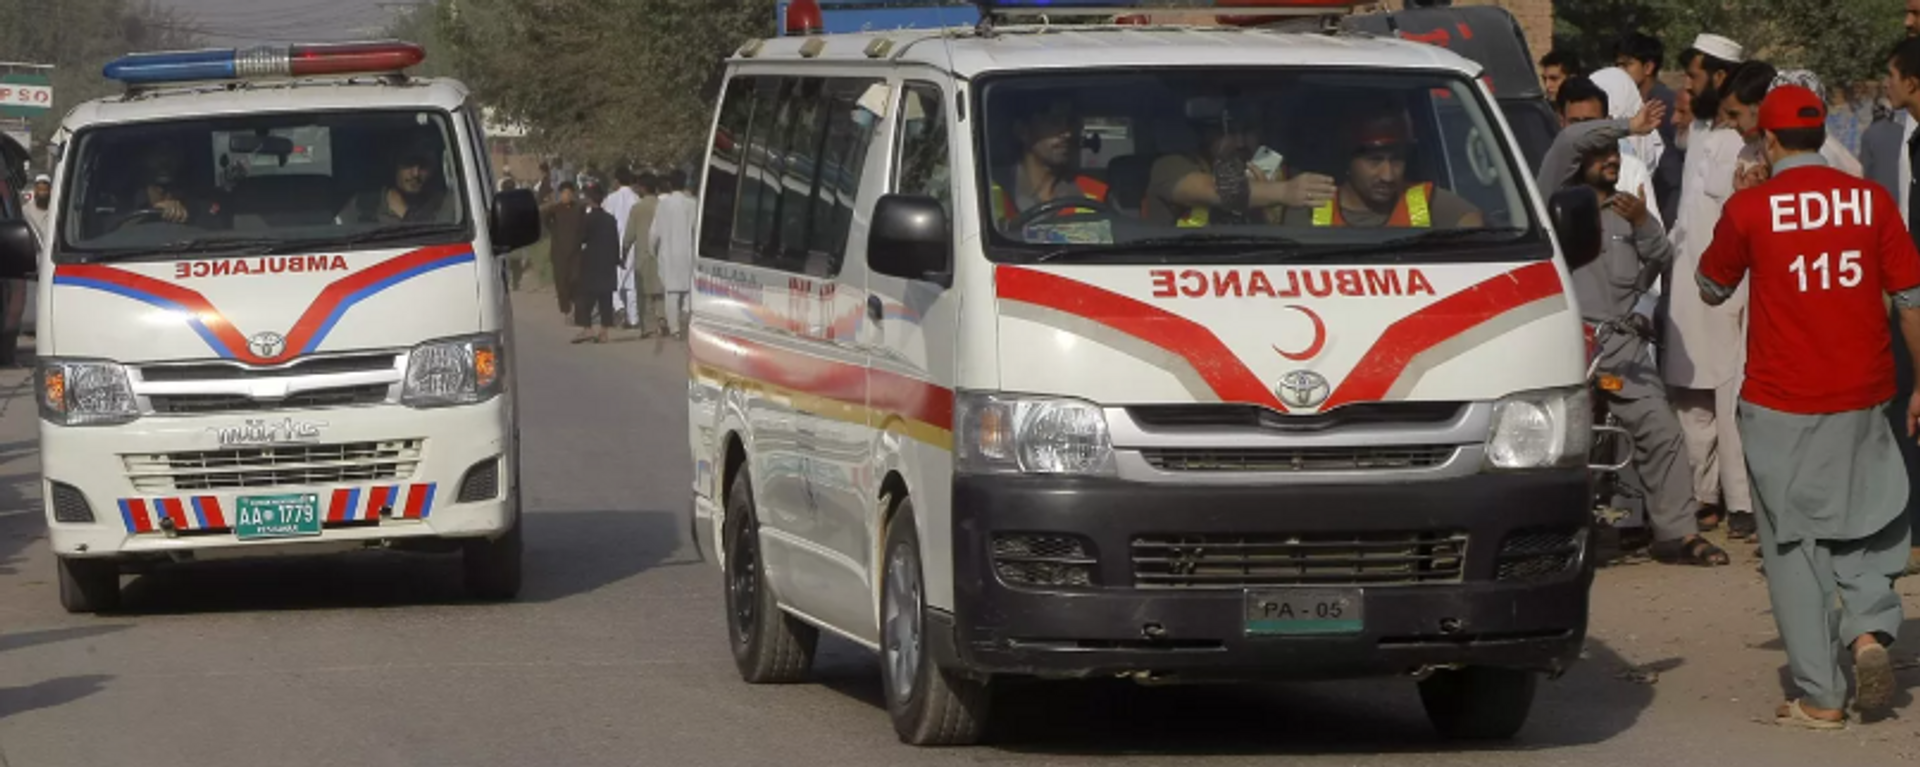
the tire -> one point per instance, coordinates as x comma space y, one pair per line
769, 646
1479, 703
930, 706
492, 566
89, 585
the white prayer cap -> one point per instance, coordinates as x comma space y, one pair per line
1720, 48
43, 179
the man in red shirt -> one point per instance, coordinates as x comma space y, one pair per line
1823, 250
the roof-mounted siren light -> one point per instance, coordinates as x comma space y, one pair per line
1140, 12
805, 19
266, 61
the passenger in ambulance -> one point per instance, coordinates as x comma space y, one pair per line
413, 193
1047, 128
1377, 191
1222, 183
161, 193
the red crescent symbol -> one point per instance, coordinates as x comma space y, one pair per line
1319, 337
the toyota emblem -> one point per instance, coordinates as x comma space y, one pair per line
1303, 389
267, 345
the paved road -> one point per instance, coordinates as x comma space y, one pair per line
615, 656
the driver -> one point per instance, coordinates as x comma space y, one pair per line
1220, 184
1048, 129
410, 194
1376, 192
160, 190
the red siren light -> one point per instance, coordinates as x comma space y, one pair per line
804, 18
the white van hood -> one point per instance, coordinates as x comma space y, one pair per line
262, 310
1295, 338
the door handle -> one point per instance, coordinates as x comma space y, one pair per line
875, 310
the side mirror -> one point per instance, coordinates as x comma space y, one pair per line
515, 219
1576, 219
19, 250
909, 238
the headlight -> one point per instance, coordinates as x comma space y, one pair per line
453, 371
1000, 433
85, 393
1543, 429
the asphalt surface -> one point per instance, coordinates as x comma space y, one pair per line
616, 655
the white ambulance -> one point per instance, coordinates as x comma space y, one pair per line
1169, 353
273, 318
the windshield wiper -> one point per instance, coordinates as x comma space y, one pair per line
383, 234
1495, 235
193, 245
1209, 243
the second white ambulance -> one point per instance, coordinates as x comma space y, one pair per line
1159, 352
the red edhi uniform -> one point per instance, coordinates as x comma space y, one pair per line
1823, 249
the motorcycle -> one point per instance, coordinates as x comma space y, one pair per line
1619, 506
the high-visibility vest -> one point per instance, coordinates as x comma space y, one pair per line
1414, 211
1088, 185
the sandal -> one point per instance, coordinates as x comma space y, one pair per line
1793, 715
1873, 680
1692, 550
1709, 518
1742, 526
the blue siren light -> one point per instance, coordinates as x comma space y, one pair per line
266, 61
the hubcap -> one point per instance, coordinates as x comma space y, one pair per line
901, 614
743, 583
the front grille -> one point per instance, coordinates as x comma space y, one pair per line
339, 396
1217, 561
1254, 416
1301, 459
70, 505
1534, 554
283, 466
482, 482
222, 371
1043, 560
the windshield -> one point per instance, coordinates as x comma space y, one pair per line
1085, 165
263, 183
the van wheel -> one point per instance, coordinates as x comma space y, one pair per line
769, 646
493, 565
89, 585
930, 706
1478, 703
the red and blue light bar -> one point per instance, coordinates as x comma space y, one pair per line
1225, 7
266, 61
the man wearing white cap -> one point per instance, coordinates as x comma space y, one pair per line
1701, 346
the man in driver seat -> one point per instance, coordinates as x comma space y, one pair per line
1049, 133
1376, 192
160, 192
410, 194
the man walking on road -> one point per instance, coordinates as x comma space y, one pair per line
620, 205
1822, 250
599, 270
566, 223
672, 241
636, 246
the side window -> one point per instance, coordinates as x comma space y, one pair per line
850, 128
801, 168
721, 193
482, 154
756, 162
924, 167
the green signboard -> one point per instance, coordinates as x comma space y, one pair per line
25, 95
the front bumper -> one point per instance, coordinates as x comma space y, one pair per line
443, 490
1501, 609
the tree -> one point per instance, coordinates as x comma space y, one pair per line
1840, 40
79, 37
601, 81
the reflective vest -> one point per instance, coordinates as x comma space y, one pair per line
1089, 186
1413, 212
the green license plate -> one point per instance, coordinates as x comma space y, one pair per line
1304, 612
277, 516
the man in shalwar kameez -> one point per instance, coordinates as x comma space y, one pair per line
1822, 250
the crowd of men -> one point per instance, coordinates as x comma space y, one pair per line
1755, 314
621, 258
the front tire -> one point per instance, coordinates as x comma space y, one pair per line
1479, 703
769, 646
493, 571
89, 585
930, 706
